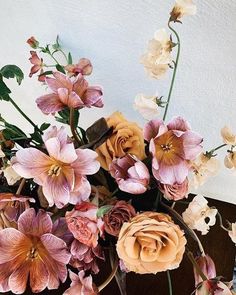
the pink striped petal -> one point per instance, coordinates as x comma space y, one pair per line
18, 279
192, 144
154, 128
80, 85
132, 187
178, 123
93, 97
39, 276
74, 101
173, 174
81, 191
86, 163
50, 103
30, 162
59, 81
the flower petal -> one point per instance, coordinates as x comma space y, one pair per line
18, 279
50, 103
59, 81
81, 191
39, 276
178, 123
86, 163
191, 144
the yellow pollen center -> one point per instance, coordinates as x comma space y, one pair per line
32, 254
54, 170
166, 147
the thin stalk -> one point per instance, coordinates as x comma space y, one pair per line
221, 222
111, 276
53, 58
72, 126
24, 115
169, 283
64, 55
217, 148
22, 183
174, 72
196, 266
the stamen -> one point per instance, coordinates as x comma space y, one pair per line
32, 254
166, 147
54, 170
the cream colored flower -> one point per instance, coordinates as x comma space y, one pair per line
230, 160
10, 174
158, 56
228, 136
199, 215
232, 232
182, 8
146, 105
203, 168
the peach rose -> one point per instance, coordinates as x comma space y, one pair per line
151, 243
127, 138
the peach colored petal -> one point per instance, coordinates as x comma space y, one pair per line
38, 276
18, 279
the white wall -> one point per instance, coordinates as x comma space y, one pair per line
113, 34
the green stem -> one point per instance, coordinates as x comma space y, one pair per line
169, 282
53, 58
217, 148
64, 55
24, 115
196, 266
72, 126
174, 72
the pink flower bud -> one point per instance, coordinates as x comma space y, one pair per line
33, 42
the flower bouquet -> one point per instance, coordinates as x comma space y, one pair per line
71, 198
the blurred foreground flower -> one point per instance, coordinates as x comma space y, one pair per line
228, 136
158, 56
230, 160
199, 215
182, 8
10, 174
151, 243
80, 284
34, 252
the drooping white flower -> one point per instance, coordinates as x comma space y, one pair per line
158, 56
203, 168
232, 232
228, 136
10, 174
146, 106
199, 215
182, 8
230, 160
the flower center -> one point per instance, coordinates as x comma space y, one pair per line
167, 147
33, 253
54, 170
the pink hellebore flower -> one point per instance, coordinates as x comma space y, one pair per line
172, 146
32, 251
61, 173
84, 224
69, 93
81, 285
37, 63
83, 67
131, 174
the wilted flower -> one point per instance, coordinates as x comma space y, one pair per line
203, 168
151, 243
230, 160
37, 63
32, 251
62, 172
83, 67
33, 42
176, 191
119, 213
157, 58
85, 257
10, 174
81, 285
127, 138
232, 232
172, 146
207, 266
199, 215
68, 93
131, 175
228, 136
11, 207
213, 287
146, 105
182, 8
82, 221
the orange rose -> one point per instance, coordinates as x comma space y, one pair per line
127, 138
151, 243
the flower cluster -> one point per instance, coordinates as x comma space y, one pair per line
69, 194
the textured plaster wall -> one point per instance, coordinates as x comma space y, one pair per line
113, 34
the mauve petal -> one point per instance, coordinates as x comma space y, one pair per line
53, 131
63, 94
30, 162
154, 128
37, 225
74, 290
191, 144
56, 247
178, 123
80, 85
131, 186
38, 276
17, 242
82, 190
93, 97
173, 174
50, 103
142, 170
18, 279
60, 81
74, 101
34, 70
57, 190
86, 163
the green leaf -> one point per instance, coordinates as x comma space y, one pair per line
46, 49
44, 126
57, 45
4, 90
36, 136
64, 117
46, 73
60, 68
70, 61
12, 71
103, 210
